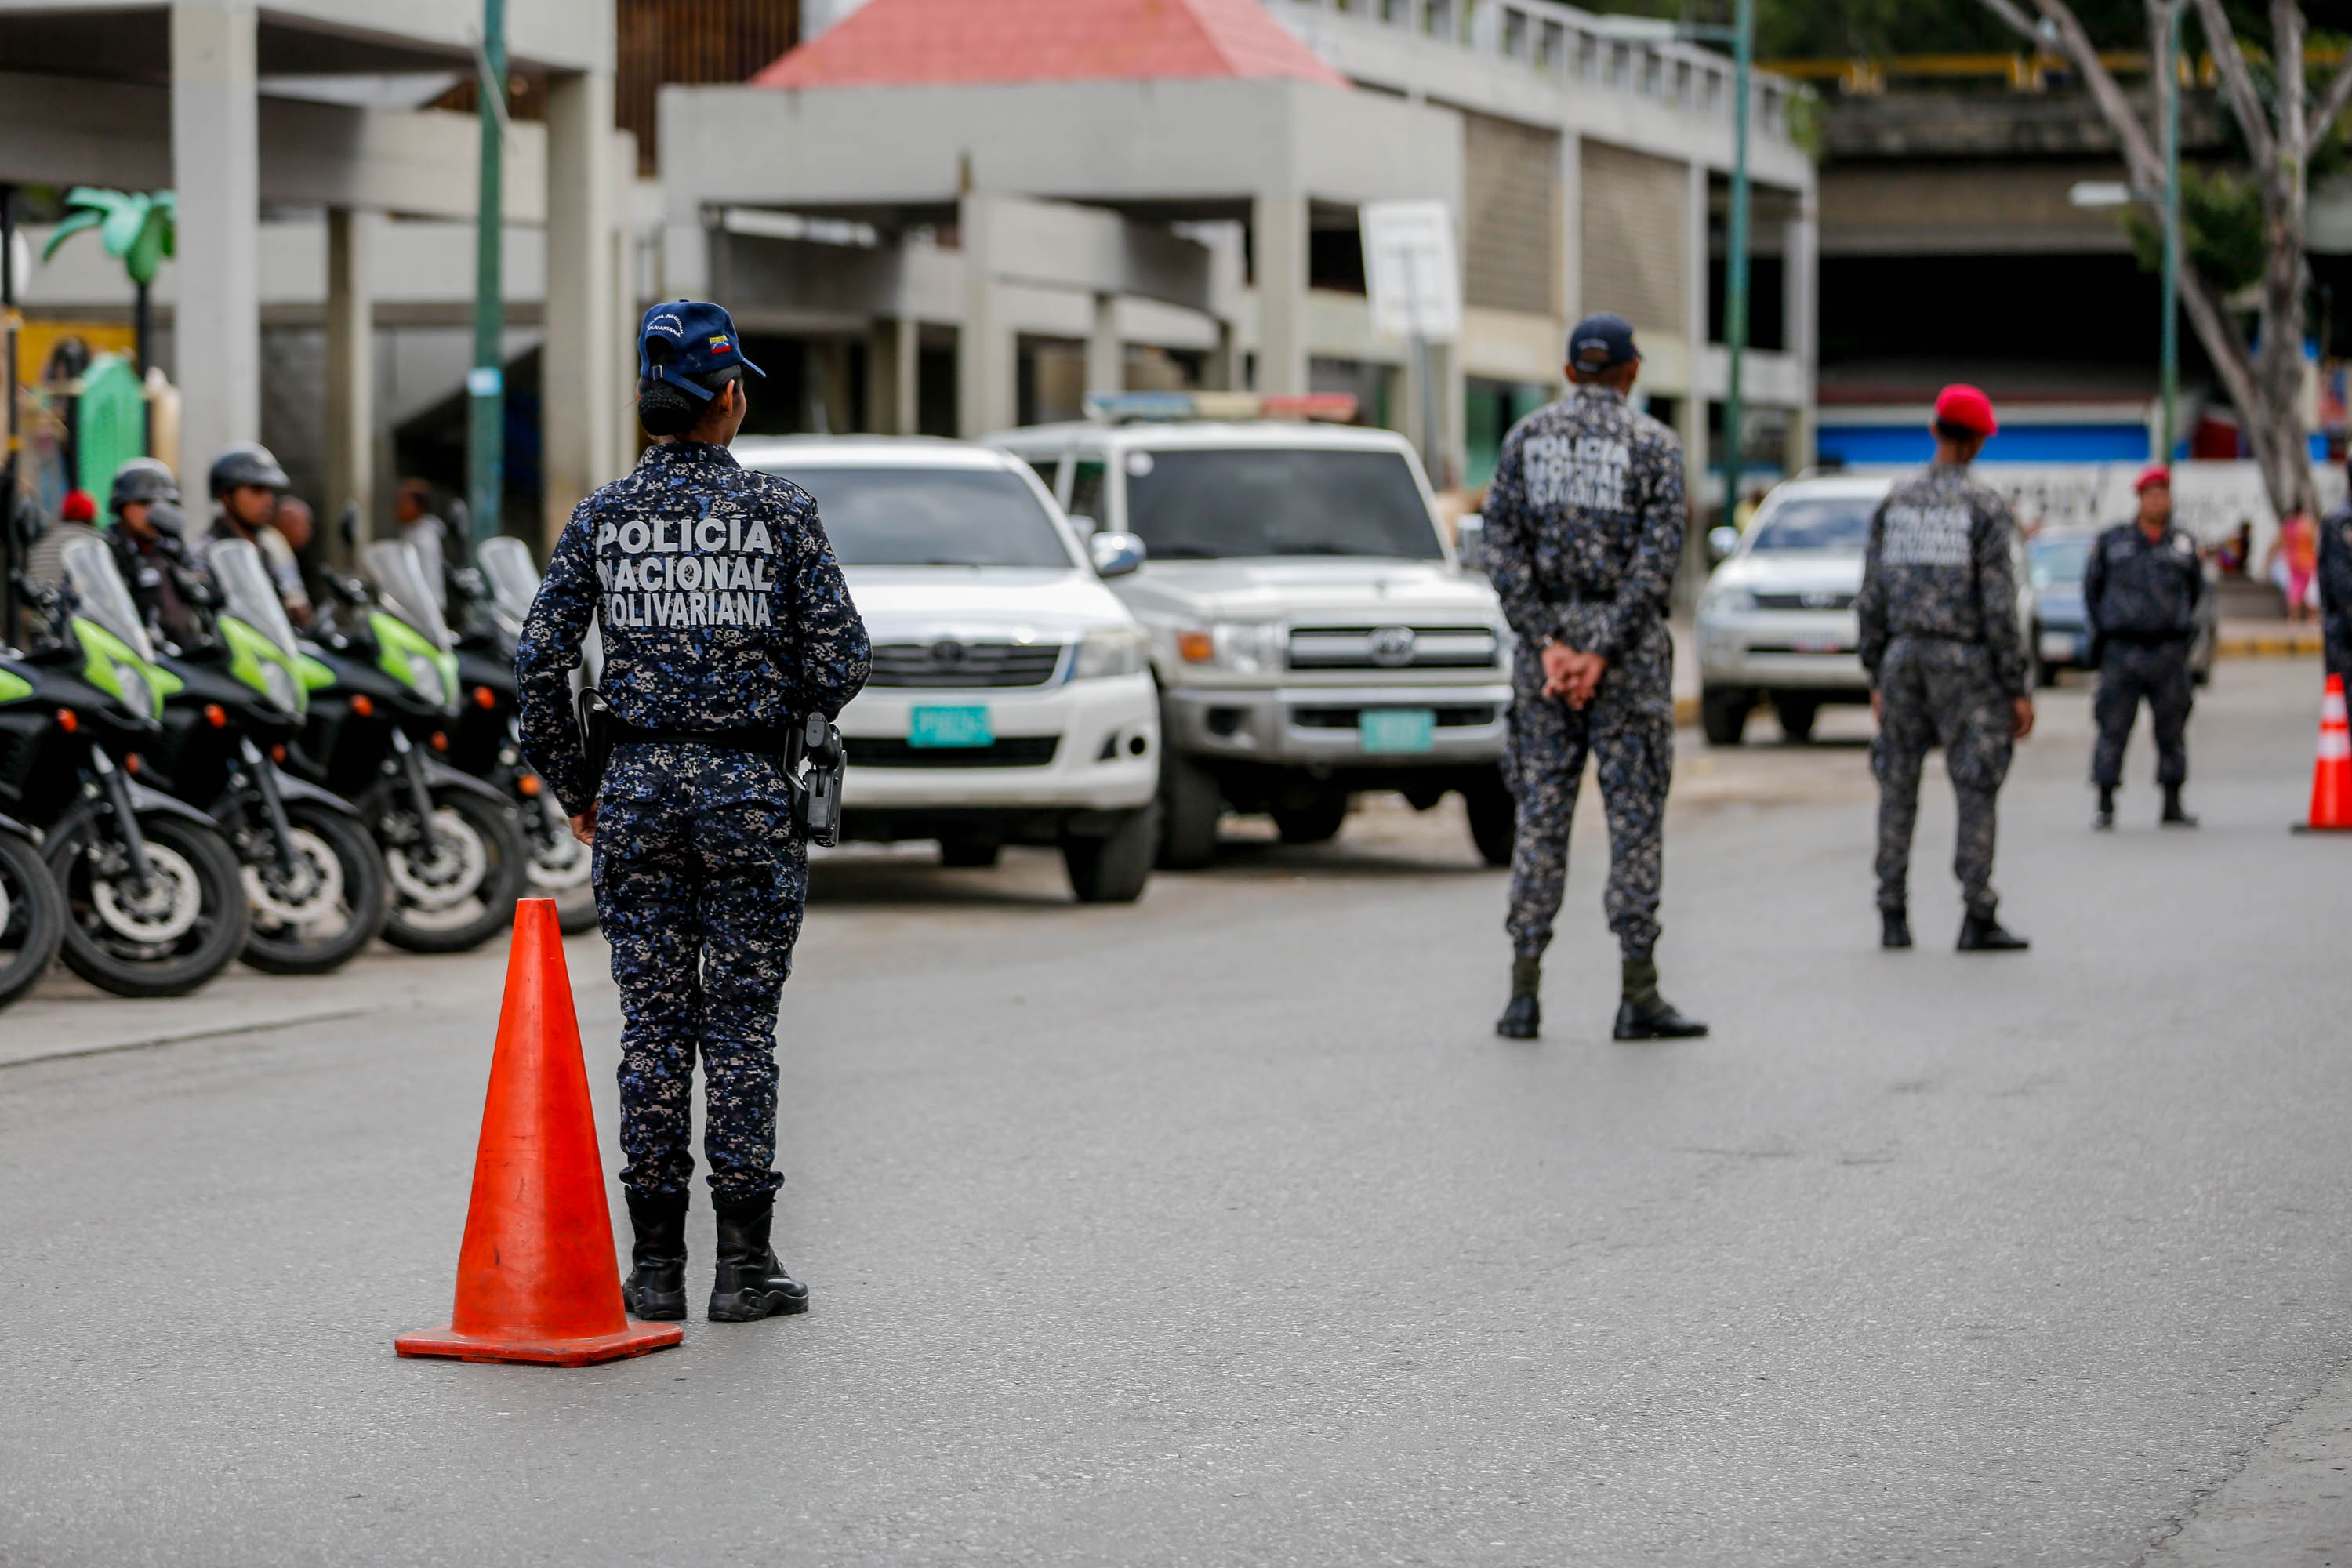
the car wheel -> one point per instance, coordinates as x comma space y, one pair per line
1723, 715
970, 853
1189, 806
1797, 715
1112, 870
1493, 818
1315, 819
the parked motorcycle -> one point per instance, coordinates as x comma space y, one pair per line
314, 876
152, 902
32, 911
383, 702
489, 739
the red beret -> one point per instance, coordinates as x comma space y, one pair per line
1965, 406
2154, 474
76, 507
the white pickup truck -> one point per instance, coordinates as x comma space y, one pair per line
1311, 631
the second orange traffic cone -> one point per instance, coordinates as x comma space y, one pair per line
536, 1278
2331, 775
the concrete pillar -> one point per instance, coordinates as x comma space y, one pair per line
1224, 371
1801, 268
891, 408
216, 329
988, 354
1279, 249
583, 333
350, 378
831, 409
1569, 292
1105, 351
1694, 421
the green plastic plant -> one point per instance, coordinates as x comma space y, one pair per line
137, 230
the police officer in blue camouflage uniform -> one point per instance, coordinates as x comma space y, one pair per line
725, 621
1947, 662
1584, 529
2336, 591
2140, 591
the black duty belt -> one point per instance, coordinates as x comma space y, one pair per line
2145, 640
770, 741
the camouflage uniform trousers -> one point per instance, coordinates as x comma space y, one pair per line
700, 878
1936, 692
2127, 673
2336, 639
1629, 727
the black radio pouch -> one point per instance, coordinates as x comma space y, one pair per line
817, 788
596, 737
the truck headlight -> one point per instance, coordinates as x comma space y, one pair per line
1245, 648
1107, 651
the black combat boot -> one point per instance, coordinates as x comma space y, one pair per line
1524, 1016
655, 1287
1893, 927
1983, 934
2174, 816
750, 1284
1644, 1015
2106, 818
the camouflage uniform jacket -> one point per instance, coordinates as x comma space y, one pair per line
723, 608
1584, 523
1939, 566
2336, 567
2138, 589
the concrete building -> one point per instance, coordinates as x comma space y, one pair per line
947, 217
283, 115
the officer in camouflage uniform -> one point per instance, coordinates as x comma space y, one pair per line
2140, 592
725, 622
1939, 637
2336, 591
1584, 529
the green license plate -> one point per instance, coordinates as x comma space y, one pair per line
1394, 730
949, 726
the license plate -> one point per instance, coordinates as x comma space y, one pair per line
946, 727
1394, 730
2057, 647
1817, 645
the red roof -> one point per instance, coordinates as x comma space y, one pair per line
903, 43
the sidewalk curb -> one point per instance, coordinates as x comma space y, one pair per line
2298, 644
209, 1032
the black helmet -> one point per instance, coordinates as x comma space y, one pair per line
141, 480
247, 464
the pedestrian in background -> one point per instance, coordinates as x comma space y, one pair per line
1946, 663
77, 519
725, 622
441, 553
2140, 591
150, 549
2334, 573
1584, 529
2293, 563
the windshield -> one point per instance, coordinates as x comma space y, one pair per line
2059, 561
1206, 504
1823, 523
99, 595
400, 585
933, 517
513, 580
246, 592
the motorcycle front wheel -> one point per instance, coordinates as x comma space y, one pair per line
32, 916
463, 893
313, 917
560, 864
163, 937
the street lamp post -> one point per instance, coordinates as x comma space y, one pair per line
486, 383
2169, 65
1735, 261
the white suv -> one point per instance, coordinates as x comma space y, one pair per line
1311, 630
1012, 699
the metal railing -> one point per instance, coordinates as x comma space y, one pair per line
1574, 47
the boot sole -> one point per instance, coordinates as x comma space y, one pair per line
752, 1306
1510, 1032
1697, 1033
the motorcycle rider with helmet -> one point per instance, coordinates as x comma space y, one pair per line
246, 481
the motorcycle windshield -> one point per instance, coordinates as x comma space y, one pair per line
101, 597
248, 592
513, 580
400, 585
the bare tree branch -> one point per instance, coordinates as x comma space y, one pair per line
2286, 55
2141, 161
2016, 19
2237, 81
2330, 106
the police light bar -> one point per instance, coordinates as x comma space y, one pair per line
1128, 407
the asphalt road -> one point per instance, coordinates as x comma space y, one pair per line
1222, 1229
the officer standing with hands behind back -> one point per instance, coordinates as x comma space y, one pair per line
1947, 662
1584, 530
2336, 591
726, 623
2140, 590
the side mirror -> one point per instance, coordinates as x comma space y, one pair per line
1470, 541
1116, 554
348, 526
1721, 541
1087, 527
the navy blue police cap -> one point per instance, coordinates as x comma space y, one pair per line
1600, 343
681, 339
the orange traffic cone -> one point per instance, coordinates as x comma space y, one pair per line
2331, 776
536, 1279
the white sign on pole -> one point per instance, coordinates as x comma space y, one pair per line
1411, 271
